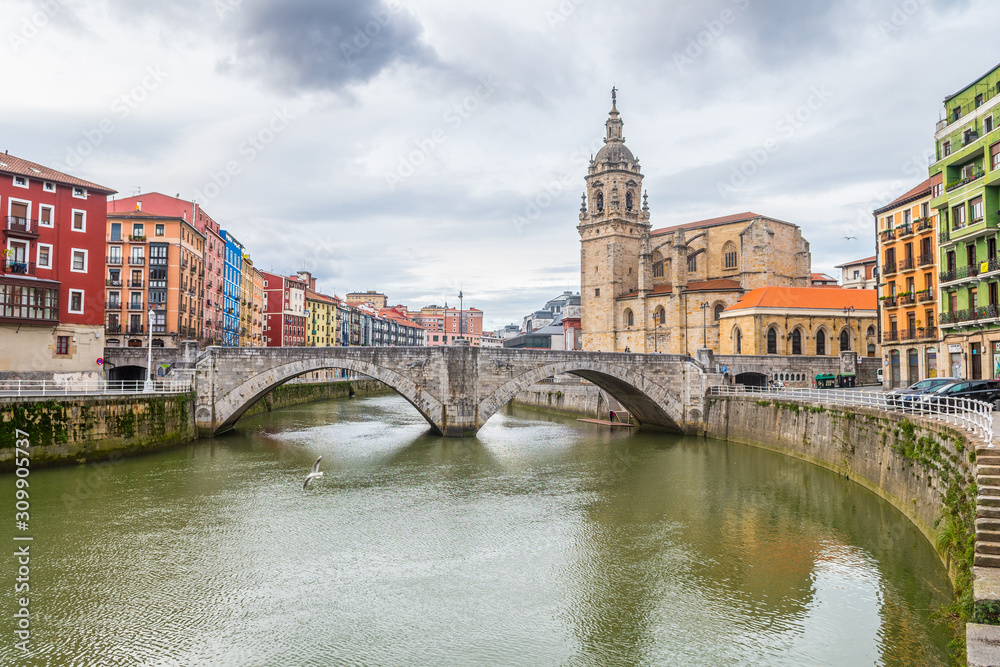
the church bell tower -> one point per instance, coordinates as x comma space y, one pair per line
614, 236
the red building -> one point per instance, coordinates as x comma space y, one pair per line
214, 253
52, 274
284, 310
446, 325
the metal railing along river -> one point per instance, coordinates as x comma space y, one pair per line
966, 413
101, 388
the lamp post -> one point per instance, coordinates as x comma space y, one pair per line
704, 324
461, 315
847, 316
149, 353
656, 329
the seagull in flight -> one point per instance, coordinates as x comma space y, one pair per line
850, 238
313, 475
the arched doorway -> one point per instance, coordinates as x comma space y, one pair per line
894, 379
912, 366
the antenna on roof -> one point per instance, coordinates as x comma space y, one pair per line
136, 191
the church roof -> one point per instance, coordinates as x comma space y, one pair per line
790, 298
717, 285
746, 216
613, 153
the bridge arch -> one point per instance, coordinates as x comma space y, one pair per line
234, 404
647, 401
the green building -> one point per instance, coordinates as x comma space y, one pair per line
966, 198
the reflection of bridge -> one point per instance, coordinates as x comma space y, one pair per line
456, 389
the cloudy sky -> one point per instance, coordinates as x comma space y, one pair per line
420, 147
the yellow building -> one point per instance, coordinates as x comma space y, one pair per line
664, 290
245, 325
808, 321
321, 325
908, 249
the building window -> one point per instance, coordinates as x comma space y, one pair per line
693, 263
987, 124
977, 209
597, 291
946, 148
845, 341
45, 216
20, 181
44, 260
79, 221
600, 203
718, 311
76, 301
80, 193
995, 155
62, 345
49, 186
658, 270
159, 230
629, 318
979, 103
796, 342
772, 341
956, 113
958, 217
729, 254
79, 261
739, 341
628, 201
820, 343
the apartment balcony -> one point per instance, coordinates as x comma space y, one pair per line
113, 329
21, 227
112, 283
136, 261
181, 308
925, 260
135, 305
978, 314
961, 273
887, 234
925, 296
923, 225
137, 238
137, 284
943, 236
917, 333
906, 264
112, 305
114, 261
17, 268
905, 299
904, 230
975, 176
888, 268
992, 264
135, 329
889, 302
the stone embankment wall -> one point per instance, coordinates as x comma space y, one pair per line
576, 399
83, 429
923, 467
90, 428
290, 394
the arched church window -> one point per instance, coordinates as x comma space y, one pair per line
629, 318
658, 270
628, 201
730, 259
845, 341
820, 343
796, 342
718, 311
772, 341
739, 341
871, 331
659, 316
600, 201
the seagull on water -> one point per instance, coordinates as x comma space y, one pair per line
313, 475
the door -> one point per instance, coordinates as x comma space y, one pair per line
912, 366
956, 364
894, 369
977, 366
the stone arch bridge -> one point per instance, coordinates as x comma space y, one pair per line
455, 388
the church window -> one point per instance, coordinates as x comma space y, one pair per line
659, 316
796, 342
845, 341
739, 342
772, 341
820, 343
600, 201
718, 311
597, 291
628, 201
729, 255
871, 330
693, 263
629, 318
658, 270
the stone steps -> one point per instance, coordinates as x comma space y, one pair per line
987, 508
986, 560
986, 526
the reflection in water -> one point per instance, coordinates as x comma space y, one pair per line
543, 541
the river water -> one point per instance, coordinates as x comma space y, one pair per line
544, 541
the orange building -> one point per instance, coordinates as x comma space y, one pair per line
154, 263
811, 321
907, 252
446, 325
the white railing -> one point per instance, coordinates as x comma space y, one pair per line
104, 387
975, 416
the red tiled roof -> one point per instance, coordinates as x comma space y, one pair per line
806, 297
858, 262
922, 190
10, 164
313, 295
719, 284
746, 216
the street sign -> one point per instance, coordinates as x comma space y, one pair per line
100, 361
724, 369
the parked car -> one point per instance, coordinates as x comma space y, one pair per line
904, 397
878, 376
987, 391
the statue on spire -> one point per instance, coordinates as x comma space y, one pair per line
614, 90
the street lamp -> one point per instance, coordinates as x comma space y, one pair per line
847, 316
656, 329
704, 324
461, 315
149, 353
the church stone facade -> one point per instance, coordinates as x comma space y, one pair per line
663, 290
